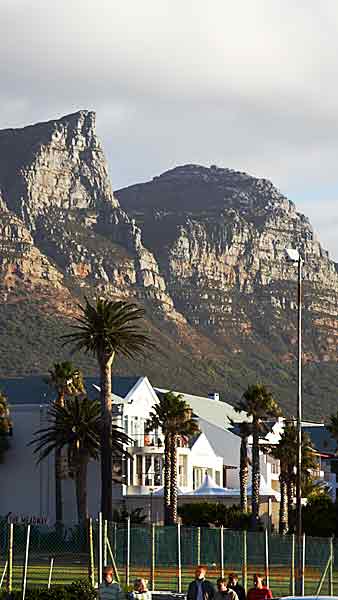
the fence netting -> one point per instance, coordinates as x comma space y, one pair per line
166, 556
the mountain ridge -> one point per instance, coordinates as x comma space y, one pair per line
201, 248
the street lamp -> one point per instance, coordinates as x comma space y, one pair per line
295, 257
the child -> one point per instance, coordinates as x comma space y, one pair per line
109, 589
224, 592
141, 591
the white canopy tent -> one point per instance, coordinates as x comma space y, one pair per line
210, 488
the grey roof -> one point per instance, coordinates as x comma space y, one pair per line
121, 386
33, 389
214, 411
321, 438
27, 390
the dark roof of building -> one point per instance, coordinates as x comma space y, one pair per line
121, 386
33, 389
321, 439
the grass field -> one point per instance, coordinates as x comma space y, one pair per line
66, 570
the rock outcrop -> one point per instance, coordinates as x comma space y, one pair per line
203, 249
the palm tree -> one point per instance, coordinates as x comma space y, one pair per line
260, 405
244, 429
76, 427
107, 329
5, 425
286, 452
67, 381
280, 452
174, 416
309, 464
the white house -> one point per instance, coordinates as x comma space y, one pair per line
131, 409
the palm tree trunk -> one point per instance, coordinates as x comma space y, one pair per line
283, 512
106, 438
60, 401
256, 474
244, 474
167, 478
81, 488
173, 479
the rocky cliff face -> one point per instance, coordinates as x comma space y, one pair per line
203, 249
220, 238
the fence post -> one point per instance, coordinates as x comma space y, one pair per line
245, 560
24, 574
116, 573
303, 566
91, 569
105, 536
128, 553
331, 568
99, 575
115, 538
266, 549
51, 572
3, 574
152, 557
198, 545
221, 548
179, 558
10, 559
292, 570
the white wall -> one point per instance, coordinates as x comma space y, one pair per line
28, 489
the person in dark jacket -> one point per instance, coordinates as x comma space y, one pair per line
234, 585
200, 588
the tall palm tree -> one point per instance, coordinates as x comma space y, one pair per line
244, 429
67, 381
5, 425
107, 329
76, 427
260, 405
174, 416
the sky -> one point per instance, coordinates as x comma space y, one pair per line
245, 84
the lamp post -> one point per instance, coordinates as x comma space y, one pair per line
294, 256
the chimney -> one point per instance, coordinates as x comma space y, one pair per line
213, 395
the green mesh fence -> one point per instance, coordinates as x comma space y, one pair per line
154, 555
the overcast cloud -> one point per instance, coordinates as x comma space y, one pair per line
249, 84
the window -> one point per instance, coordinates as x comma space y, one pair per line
198, 477
275, 468
157, 470
218, 477
148, 471
139, 469
182, 471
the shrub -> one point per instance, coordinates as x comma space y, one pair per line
320, 516
206, 514
78, 590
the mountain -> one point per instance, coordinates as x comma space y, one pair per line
202, 249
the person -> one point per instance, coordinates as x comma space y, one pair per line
259, 591
236, 587
224, 592
109, 589
141, 591
200, 588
